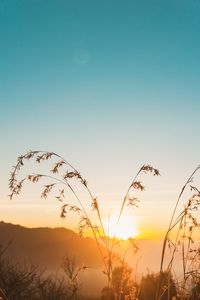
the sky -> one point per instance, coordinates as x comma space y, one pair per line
109, 85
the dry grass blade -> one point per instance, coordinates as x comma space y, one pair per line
183, 227
62, 173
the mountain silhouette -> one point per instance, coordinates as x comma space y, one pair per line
47, 247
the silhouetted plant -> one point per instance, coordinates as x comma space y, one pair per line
73, 271
195, 292
123, 284
181, 243
19, 282
149, 283
62, 173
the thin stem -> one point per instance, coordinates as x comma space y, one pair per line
123, 204
170, 227
82, 208
91, 196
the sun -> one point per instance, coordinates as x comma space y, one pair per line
126, 228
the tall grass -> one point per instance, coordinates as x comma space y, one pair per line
61, 178
181, 246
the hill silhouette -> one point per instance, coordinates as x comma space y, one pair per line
47, 246
46, 249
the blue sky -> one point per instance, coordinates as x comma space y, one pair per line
108, 84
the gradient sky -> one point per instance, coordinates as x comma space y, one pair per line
109, 85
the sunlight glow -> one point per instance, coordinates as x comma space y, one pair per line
126, 228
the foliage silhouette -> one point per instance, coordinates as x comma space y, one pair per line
62, 173
19, 282
148, 286
181, 242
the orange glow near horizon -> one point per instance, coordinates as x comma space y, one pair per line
126, 228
